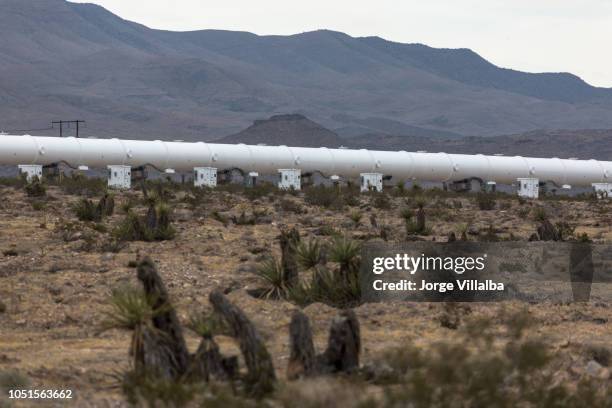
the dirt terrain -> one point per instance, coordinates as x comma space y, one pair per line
57, 274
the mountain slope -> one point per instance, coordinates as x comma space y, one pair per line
60, 60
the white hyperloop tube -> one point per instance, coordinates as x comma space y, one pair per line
348, 163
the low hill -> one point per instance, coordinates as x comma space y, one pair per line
290, 130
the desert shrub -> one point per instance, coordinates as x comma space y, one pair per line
399, 190
223, 219
128, 205
584, 238
474, 372
335, 197
13, 380
505, 205
523, 212
329, 231
155, 226
260, 190
485, 201
416, 225
539, 214
356, 217
243, 219
36, 188
197, 197
86, 210
79, 184
292, 206
38, 205
151, 390
381, 201
600, 353
130, 229
163, 227
15, 182
327, 197
327, 287
565, 230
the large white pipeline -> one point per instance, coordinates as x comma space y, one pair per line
180, 156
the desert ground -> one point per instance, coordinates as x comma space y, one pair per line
57, 275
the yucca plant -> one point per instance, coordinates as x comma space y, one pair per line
309, 253
164, 230
345, 252
301, 294
326, 288
206, 325
271, 272
130, 307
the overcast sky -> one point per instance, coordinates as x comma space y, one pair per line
529, 35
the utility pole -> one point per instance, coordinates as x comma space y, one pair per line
61, 125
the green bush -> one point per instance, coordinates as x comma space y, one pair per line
155, 226
36, 188
485, 201
322, 196
86, 210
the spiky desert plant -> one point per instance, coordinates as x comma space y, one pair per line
309, 253
130, 307
271, 273
345, 252
326, 288
206, 325
164, 229
356, 217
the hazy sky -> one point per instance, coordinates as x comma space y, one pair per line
529, 35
